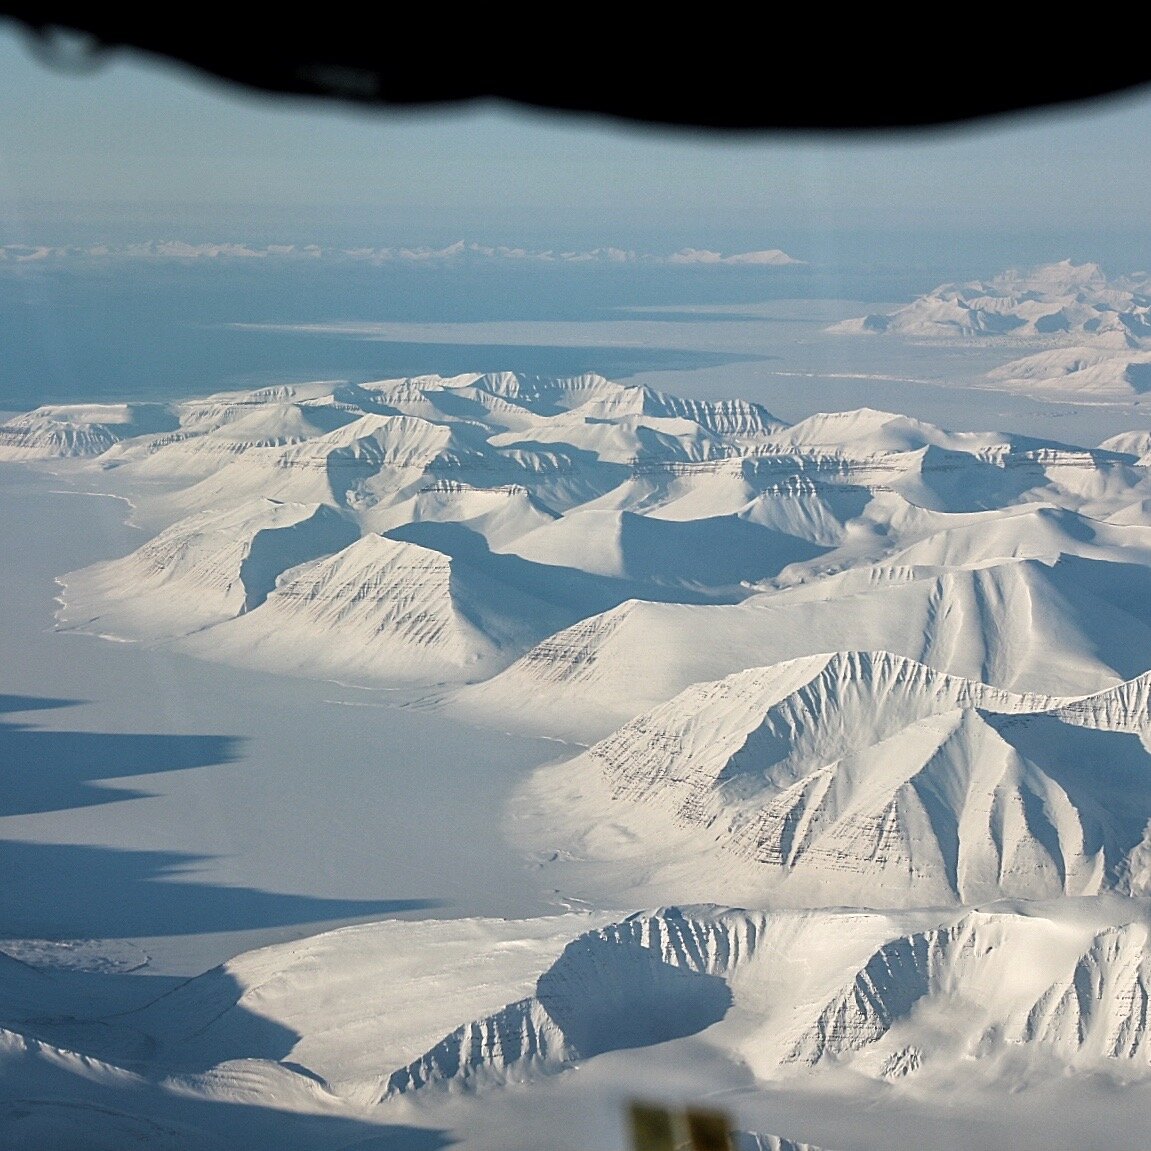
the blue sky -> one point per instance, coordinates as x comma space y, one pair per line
149, 149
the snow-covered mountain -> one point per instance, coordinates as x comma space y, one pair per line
860, 658
695, 538
1055, 627
887, 685
1062, 301
1085, 373
403, 1020
460, 251
80, 430
362, 1013
1094, 332
1003, 984
382, 610
210, 567
862, 777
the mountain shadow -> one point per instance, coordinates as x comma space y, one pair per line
577, 593
43, 770
68, 1114
62, 891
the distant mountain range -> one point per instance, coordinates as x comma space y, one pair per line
183, 251
1096, 331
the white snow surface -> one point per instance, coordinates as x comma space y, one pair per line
860, 777
79, 430
886, 685
392, 1021
210, 567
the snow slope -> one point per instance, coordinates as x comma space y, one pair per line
381, 1026
382, 1011
1055, 628
210, 567
381, 609
1085, 372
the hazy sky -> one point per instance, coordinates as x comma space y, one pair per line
163, 148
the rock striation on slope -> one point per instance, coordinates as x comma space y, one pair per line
211, 567
1100, 1009
647, 980
382, 609
1051, 628
859, 660
869, 778
890, 996
77, 431
1002, 983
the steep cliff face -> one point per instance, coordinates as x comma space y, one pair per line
899, 975
208, 568
381, 609
647, 980
997, 982
1100, 1009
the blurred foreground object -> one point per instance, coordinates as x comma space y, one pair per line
854, 72
655, 1128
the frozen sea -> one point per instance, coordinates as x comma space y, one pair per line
201, 810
